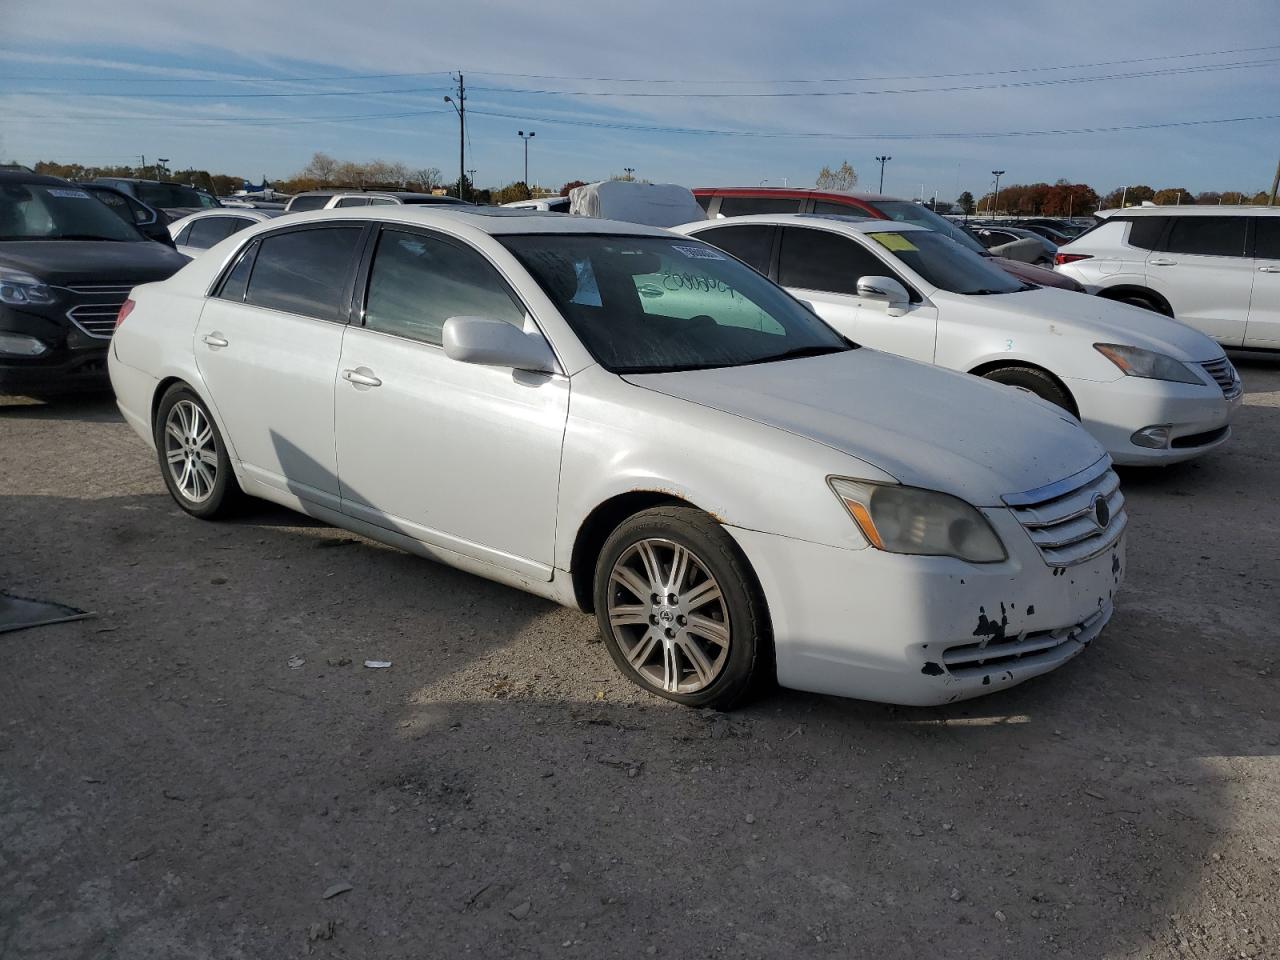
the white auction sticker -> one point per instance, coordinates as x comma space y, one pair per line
699, 253
69, 194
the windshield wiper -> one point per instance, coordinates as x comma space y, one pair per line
82, 236
797, 352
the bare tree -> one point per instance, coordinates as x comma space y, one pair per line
427, 178
321, 168
846, 178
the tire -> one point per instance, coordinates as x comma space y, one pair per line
1036, 381
1146, 303
703, 651
193, 459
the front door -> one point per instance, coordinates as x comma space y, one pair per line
457, 455
824, 268
268, 345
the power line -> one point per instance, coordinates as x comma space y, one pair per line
1008, 85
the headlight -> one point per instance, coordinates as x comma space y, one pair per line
1136, 362
20, 345
21, 288
923, 522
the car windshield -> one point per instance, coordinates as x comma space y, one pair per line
904, 211
168, 195
658, 304
946, 265
40, 211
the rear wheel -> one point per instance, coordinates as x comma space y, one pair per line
1034, 380
193, 458
679, 608
1143, 301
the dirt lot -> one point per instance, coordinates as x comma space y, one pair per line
173, 784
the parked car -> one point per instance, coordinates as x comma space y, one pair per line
1149, 389
172, 199
333, 199
1052, 234
545, 204
197, 232
66, 265
733, 489
150, 222
721, 202
1215, 268
998, 239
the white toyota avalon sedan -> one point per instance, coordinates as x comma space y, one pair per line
734, 489
1152, 390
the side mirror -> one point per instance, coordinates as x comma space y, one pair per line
497, 343
885, 290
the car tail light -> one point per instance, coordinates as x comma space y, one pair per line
126, 308
1060, 258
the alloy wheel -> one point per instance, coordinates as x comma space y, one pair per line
668, 616
191, 451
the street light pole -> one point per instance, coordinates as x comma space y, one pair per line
995, 200
162, 163
882, 161
630, 172
526, 137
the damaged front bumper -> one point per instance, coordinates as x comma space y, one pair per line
927, 630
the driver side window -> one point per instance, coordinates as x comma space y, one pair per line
828, 262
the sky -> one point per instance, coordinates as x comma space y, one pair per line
253, 89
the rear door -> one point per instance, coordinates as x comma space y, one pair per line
458, 455
1264, 302
1205, 274
268, 346
823, 268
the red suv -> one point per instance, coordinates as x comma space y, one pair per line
742, 201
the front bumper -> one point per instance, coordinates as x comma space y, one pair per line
924, 631
74, 361
1199, 417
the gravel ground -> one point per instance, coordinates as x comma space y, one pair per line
195, 771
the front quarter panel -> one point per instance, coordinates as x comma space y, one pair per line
623, 438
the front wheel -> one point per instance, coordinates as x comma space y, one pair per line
193, 458
1036, 381
679, 608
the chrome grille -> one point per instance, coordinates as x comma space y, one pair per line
1225, 376
1063, 519
95, 313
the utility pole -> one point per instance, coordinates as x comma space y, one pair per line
995, 199
526, 137
143, 158
882, 161
1123, 193
1275, 185
460, 108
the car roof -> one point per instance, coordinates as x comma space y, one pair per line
797, 192
495, 221
1191, 210
851, 224
22, 176
398, 194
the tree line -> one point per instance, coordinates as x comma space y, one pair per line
1064, 199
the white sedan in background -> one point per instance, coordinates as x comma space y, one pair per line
1152, 390
732, 487
194, 234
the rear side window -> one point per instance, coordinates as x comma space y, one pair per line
818, 260
418, 282
237, 281
1266, 244
745, 206
704, 202
1207, 236
209, 230
312, 202
353, 202
750, 243
1145, 232
828, 208
305, 271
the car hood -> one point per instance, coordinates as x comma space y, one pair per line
1040, 275
92, 261
1106, 321
925, 426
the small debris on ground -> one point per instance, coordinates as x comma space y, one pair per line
520, 911
296, 663
323, 930
335, 890
377, 664
339, 661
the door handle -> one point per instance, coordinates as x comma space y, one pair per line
1269, 269
1162, 262
361, 379
216, 340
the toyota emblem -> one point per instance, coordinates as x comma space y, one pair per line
1101, 511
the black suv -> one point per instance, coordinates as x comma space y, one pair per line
175, 200
67, 263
